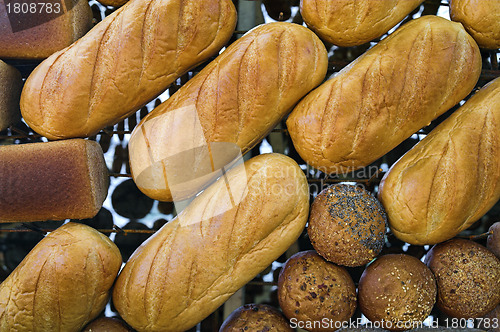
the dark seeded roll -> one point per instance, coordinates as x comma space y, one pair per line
493, 242
310, 289
347, 225
107, 324
397, 290
468, 278
256, 317
11, 84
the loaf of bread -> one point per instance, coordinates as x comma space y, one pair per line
347, 225
52, 181
256, 317
107, 324
54, 26
114, 3
451, 178
10, 91
231, 105
398, 291
468, 278
229, 233
352, 22
481, 18
62, 284
122, 63
493, 241
394, 89
312, 290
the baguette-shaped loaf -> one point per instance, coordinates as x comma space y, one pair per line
52, 181
449, 179
11, 84
122, 63
481, 18
394, 89
353, 22
62, 284
222, 240
25, 35
230, 106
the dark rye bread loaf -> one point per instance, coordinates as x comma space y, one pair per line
52, 181
256, 317
10, 90
38, 36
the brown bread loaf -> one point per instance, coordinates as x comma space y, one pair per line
451, 178
398, 291
10, 90
481, 18
256, 317
62, 284
227, 235
107, 324
468, 278
315, 294
230, 106
52, 181
37, 36
394, 89
352, 22
122, 63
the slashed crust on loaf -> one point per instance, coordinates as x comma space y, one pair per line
394, 89
62, 284
235, 100
122, 63
352, 22
451, 178
198, 260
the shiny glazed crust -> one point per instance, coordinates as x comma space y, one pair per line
481, 19
215, 246
233, 103
351, 22
451, 178
122, 63
394, 89
62, 284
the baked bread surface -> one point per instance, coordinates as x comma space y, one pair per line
399, 86
451, 178
125, 61
62, 284
225, 110
222, 240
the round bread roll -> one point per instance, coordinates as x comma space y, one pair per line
256, 317
493, 242
315, 293
398, 291
107, 324
347, 225
468, 278
481, 19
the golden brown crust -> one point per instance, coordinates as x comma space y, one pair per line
397, 290
397, 87
62, 284
351, 22
257, 318
347, 225
122, 63
216, 245
42, 40
10, 91
231, 105
481, 18
449, 179
468, 278
311, 289
52, 181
